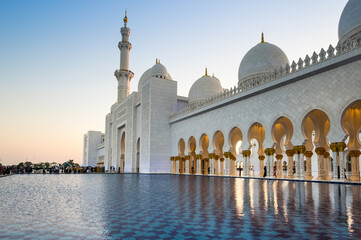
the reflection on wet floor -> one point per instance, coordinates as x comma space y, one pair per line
166, 206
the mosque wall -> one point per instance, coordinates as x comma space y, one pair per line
159, 98
145, 128
92, 140
330, 91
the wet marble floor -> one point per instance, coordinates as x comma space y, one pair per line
130, 206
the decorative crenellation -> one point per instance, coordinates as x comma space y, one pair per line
257, 80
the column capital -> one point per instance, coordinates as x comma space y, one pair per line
290, 152
320, 151
227, 154
246, 153
355, 153
326, 155
308, 154
333, 147
279, 156
187, 157
177, 158
172, 158
261, 157
199, 156
269, 151
341, 146
212, 155
299, 149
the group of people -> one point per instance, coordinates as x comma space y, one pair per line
6, 170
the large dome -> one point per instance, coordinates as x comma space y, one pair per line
158, 70
350, 21
205, 87
262, 58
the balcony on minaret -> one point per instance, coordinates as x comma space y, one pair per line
127, 45
123, 72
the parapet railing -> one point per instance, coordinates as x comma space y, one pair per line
258, 80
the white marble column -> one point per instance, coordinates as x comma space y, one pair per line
308, 174
299, 151
227, 163
211, 163
246, 154
342, 166
320, 151
261, 165
326, 159
220, 170
334, 149
279, 165
341, 147
177, 160
269, 153
187, 157
302, 164
199, 164
290, 153
355, 165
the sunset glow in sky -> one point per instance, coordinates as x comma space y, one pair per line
57, 58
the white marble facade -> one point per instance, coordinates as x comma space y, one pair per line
304, 115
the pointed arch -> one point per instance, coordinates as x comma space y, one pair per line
315, 126
235, 139
351, 124
218, 142
257, 131
282, 131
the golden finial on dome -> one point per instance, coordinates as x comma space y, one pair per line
206, 73
262, 38
157, 61
125, 19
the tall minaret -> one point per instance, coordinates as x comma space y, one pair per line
123, 74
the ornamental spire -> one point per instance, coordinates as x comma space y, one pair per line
125, 19
206, 73
262, 38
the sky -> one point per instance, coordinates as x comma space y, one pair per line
57, 58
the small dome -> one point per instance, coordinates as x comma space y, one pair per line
204, 88
350, 21
158, 70
262, 58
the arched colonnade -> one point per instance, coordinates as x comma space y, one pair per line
332, 157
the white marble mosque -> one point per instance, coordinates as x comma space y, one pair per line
282, 119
